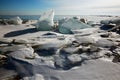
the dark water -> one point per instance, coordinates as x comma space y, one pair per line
33, 17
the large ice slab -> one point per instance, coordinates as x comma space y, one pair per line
45, 22
67, 25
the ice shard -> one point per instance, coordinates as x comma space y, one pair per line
16, 20
46, 23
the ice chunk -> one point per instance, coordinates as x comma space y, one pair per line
66, 25
45, 22
83, 20
104, 21
16, 20
113, 21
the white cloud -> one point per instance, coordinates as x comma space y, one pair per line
86, 6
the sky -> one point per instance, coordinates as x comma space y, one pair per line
61, 7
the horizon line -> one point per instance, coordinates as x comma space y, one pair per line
59, 15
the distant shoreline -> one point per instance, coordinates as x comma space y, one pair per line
57, 17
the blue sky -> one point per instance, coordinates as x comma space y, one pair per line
61, 7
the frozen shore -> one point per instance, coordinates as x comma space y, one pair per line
87, 54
